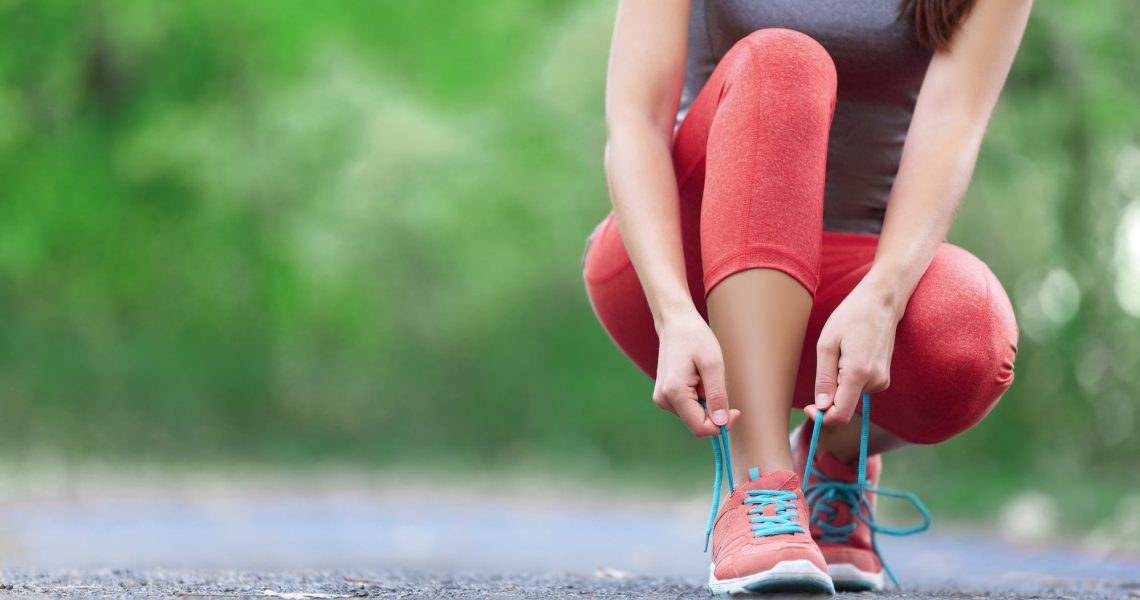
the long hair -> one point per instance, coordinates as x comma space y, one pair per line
935, 21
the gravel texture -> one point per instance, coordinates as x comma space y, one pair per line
301, 585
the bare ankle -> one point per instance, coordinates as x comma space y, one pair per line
842, 441
767, 457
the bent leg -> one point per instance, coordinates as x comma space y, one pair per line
771, 99
761, 224
762, 212
954, 348
750, 159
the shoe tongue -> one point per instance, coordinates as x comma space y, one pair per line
835, 468
772, 480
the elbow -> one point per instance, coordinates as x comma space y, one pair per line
626, 124
953, 129
971, 121
628, 135
963, 115
617, 136
608, 160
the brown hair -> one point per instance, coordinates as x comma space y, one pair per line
935, 21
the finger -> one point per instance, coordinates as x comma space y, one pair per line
826, 372
812, 412
660, 399
693, 415
733, 415
880, 380
851, 384
712, 382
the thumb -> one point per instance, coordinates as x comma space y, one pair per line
716, 397
826, 373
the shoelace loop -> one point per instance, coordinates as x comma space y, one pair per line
822, 496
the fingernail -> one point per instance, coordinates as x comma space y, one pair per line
820, 400
720, 417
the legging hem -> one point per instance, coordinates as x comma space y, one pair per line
762, 257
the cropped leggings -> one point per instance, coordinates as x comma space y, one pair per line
750, 158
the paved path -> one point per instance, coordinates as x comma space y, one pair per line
443, 542
388, 584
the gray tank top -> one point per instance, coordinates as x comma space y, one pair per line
880, 65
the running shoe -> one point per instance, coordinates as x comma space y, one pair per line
844, 540
760, 537
841, 503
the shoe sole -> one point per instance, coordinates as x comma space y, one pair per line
798, 576
848, 578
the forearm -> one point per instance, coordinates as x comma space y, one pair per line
642, 184
938, 162
958, 95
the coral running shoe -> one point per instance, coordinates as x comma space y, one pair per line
844, 540
841, 505
761, 542
760, 537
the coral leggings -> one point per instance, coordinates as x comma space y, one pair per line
750, 159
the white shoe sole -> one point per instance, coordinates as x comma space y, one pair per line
786, 576
849, 578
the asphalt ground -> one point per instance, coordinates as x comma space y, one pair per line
300, 585
337, 537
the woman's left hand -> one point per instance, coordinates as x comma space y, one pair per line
854, 351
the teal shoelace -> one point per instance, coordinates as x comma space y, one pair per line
722, 457
784, 517
822, 496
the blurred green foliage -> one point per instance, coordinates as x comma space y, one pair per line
289, 231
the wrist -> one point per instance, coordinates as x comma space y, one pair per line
671, 311
890, 289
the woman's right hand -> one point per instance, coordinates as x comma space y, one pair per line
689, 369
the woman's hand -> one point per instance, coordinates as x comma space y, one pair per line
854, 352
690, 368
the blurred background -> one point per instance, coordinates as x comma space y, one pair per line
299, 238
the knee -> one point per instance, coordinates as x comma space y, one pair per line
967, 385
962, 334
788, 59
787, 46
